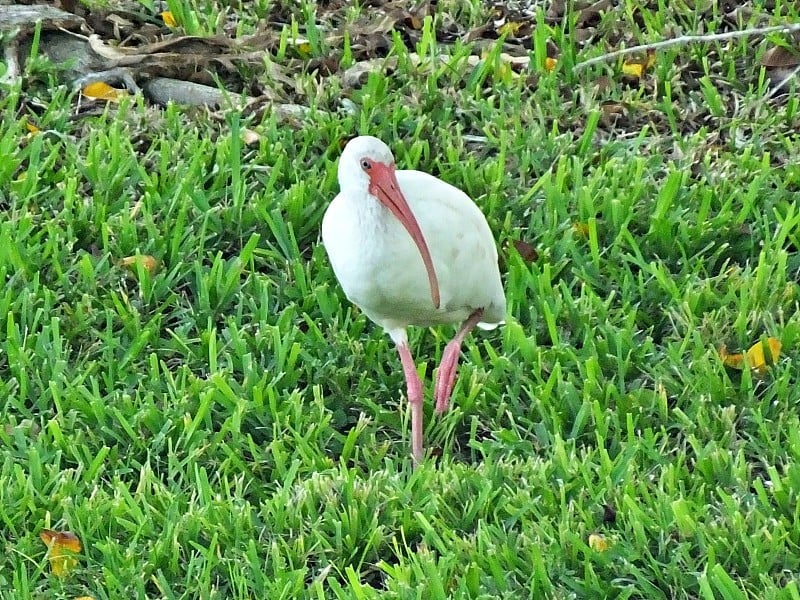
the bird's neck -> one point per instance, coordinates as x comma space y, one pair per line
372, 216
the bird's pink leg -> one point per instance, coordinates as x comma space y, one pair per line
414, 386
446, 376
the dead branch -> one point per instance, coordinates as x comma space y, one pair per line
688, 39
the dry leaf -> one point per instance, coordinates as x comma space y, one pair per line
610, 112
250, 137
102, 91
633, 69
637, 68
758, 361
147, 261
32, 129
414, 22
550, 64
169, 19
526, 251
302, 46
599, 543
581, 229
733, 361
62, 545
593, 12
779, 56
754, 357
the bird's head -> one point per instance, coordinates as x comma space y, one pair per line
366, 168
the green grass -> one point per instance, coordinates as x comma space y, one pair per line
230, 427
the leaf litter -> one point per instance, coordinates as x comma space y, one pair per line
124, 46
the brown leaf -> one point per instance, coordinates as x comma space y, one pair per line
593, 12
526, 251
780, 56
610, 112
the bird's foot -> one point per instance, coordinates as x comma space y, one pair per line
446, 376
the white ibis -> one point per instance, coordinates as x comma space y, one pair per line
410, 249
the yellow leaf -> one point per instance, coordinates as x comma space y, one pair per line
633, 69
637, 67
169, 19
102, 91
61, 545
302, 46
581, 229
147, 261
32, 129
550, 64
756, 358
84, 598
510, 28
599, 543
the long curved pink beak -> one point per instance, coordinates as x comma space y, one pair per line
383, 185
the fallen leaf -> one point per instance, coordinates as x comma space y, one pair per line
250, 137
637, 68
302, 46
581, 229
61, 547
593, 12
730, 360
599, 543
526, 251
169, 19
550, 64
758, 361
414, 22
32, 129
780, 56
102, 91
633, 69
147, 261
610, 112
754, 357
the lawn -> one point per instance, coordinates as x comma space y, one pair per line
224, 424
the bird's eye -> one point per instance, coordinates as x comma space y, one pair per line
366, 165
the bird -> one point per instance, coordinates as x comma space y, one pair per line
410, 249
